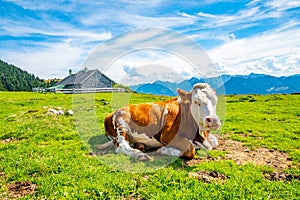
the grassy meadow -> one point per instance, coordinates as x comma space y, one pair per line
46, 151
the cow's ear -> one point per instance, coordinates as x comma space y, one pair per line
184, 96
181, 92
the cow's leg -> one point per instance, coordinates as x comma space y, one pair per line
205, 140
168, 151
205, 145
179, 147
122, 143
213, 140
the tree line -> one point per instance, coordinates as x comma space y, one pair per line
15, 79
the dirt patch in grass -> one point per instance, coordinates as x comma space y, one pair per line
281, 176
259, 156
242, 154
20, 188
208, 176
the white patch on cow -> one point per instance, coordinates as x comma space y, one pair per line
166, 110
126, 149
119, 131
114, 120
179, 100
123, 146
169, 151
117, 114
122, 112
144, 139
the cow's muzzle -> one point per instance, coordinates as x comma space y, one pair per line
212, 123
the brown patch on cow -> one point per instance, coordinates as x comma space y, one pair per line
20, 188
141, 114
208, 176
242, 154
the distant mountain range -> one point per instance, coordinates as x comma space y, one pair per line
227, 84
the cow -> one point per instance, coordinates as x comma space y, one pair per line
173, 128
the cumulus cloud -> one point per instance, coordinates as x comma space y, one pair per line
273, 52
149, 74
275, 65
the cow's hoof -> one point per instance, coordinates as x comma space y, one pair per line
169, 151
213, 140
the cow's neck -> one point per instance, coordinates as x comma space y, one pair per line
188, 125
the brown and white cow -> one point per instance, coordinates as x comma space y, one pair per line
174, 127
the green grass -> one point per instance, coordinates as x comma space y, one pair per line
48, 151
271, 121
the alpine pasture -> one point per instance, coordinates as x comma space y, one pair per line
43, 157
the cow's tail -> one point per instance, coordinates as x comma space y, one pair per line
106, 146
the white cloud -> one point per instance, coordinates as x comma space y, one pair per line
274, 52
49, 28
275, 65
281, 5
148, 65
139, 21
54, 59
271, 43
247, 16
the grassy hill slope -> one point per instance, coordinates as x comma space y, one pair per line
13, 78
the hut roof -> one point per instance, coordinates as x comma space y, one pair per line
80, 77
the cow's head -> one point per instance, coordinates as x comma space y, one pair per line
203, 107
200, 105
202, 101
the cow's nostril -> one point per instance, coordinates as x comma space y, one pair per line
208, 120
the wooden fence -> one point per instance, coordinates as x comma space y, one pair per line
79, 91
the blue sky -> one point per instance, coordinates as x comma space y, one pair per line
49, 37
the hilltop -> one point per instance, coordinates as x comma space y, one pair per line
16, 79
13, 78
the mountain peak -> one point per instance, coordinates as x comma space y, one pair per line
254, 75
237, 84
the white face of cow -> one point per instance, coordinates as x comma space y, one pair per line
203, 107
